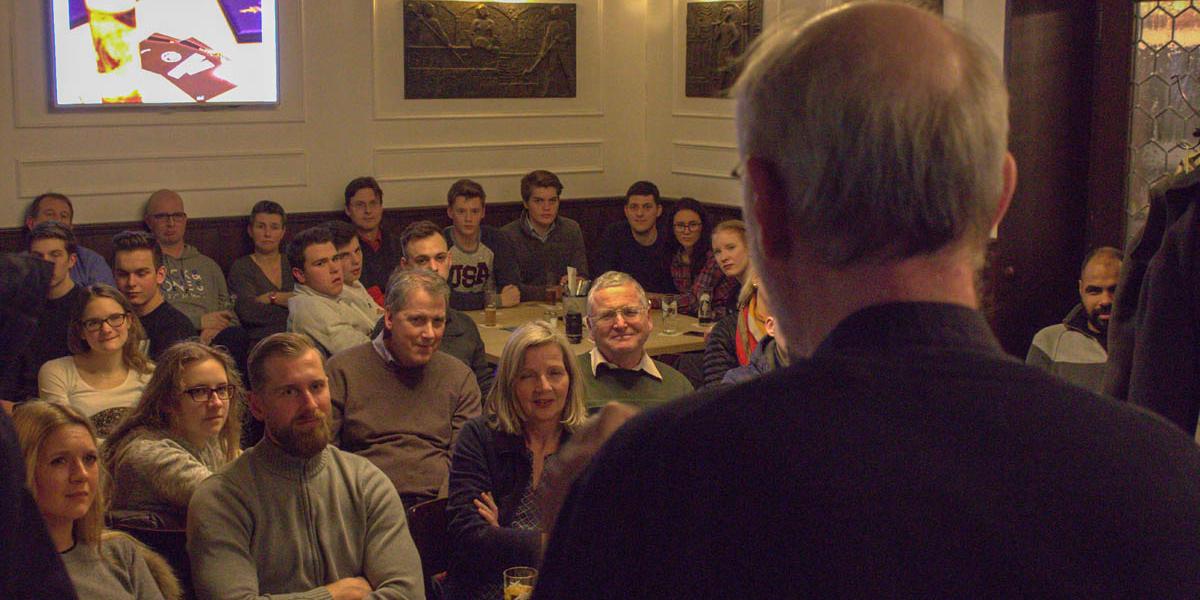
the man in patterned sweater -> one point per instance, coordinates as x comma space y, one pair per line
1076, 349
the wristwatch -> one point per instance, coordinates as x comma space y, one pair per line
272, 297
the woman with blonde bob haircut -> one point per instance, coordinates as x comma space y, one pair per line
64, 473
186, 426
498, 461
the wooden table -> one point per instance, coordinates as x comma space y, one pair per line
689, 334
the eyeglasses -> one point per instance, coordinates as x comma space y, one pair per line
629, 313
113, 320
201, 393
365, 205
175, 216
689, 226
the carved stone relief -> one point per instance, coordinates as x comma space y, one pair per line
717, 35
488, 49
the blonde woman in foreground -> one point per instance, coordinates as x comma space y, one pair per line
66, 478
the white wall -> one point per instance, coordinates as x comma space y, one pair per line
692, 144
342, 114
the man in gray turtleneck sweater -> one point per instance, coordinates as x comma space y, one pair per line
294, 517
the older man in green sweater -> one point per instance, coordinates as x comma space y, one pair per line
294, 517
619, 368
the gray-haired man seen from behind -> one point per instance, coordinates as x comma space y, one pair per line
902, 453
295, 517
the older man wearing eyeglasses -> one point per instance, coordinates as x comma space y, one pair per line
618, 368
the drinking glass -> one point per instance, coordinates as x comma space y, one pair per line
519, 582
491, 300
670, 309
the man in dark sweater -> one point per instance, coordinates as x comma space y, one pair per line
139, 271
380, 249
637, 246
902, 452
544, 242
425, 248
54, 243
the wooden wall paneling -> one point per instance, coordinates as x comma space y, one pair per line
223, 238
1041, 241
1108, 154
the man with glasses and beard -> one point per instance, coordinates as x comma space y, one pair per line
294, 514
1076, 349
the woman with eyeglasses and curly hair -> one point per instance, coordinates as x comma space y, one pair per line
67, 480
186, 426
107, 369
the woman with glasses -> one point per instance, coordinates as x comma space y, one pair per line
67, 480
498, 461
107, 369
691, 263
185, 428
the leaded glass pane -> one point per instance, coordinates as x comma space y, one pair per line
1166, 94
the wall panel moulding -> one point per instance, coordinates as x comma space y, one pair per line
452, 161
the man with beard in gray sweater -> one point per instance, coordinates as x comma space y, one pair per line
295, 516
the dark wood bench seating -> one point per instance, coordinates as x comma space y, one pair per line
224, 238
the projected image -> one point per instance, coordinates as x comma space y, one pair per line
164, 52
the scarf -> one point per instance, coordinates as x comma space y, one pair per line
751, 327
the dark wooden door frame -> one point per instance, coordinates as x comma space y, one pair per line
1112, 91
1068, 66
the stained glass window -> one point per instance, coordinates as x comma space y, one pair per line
1166, 98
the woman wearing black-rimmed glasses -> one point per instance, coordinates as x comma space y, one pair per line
185, 428
690, 260
107, 369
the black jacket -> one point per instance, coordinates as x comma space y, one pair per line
720, 352
909, 457
486, 460
1154, 334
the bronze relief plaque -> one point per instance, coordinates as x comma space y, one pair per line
718, 33
488, 49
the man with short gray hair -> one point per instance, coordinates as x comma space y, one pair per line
618, 367
902, 452
398, 400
